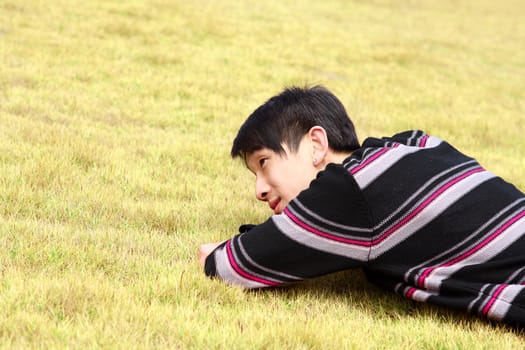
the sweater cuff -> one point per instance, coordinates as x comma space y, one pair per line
210, 269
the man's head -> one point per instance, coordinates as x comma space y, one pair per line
288, 116
290, 138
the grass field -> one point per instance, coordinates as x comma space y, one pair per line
116, 119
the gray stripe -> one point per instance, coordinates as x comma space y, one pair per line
369, 230
246, 269
514, 275
353, 162
409, 140
228, 274
398, 287
314, 241
425, 188
434, 209
439, 259
278, 273
481, 295
428, 214
522, 280
502, 304
377, 167
326, 221
330, 232
494, 247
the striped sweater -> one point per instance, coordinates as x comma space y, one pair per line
419, 218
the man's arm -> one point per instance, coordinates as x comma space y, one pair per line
325, 229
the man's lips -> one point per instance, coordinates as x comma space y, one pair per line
273, 204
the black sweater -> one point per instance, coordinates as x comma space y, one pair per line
418, 216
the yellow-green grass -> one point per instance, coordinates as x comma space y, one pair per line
116, 119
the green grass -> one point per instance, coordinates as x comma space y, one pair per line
116, 119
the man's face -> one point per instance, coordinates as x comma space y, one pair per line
280, 178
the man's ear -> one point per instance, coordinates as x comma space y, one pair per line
320, 146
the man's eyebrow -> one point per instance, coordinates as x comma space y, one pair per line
246, 162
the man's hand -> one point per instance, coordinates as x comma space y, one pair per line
205, 250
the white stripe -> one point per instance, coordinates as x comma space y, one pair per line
228, 274
496, 246
433, 142
501, 306
399, 208
378, 166
314, 241
417, 295
441, 203
412, 136
421, 295
434, 260
424, 188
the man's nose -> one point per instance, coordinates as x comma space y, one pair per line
261, 189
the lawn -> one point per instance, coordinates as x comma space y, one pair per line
116, 121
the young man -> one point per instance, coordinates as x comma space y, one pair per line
419, 217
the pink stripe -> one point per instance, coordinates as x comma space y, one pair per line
393, 228
492, 300
410, 292
371, 159
424, 275
241, 272
488, 239
424, 205
465, 255
423, 141
323, 234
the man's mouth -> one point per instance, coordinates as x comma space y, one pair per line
273, 205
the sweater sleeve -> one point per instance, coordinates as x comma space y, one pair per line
327, 228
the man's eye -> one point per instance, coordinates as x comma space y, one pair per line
262, 161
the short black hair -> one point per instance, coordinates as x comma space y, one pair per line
288, 116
